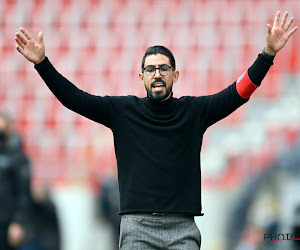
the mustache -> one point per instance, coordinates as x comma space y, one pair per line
158, 80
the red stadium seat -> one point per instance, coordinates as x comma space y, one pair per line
99, 46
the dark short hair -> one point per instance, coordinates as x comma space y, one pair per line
158, 49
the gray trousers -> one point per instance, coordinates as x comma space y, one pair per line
165, 232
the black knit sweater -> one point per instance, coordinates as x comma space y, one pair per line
157, 144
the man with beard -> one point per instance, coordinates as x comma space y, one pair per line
158, 138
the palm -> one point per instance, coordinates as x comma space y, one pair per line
277, 39
31, 49
278, 35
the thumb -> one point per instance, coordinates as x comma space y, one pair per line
40, 37
269, 28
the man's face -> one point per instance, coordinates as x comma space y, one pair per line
158, 86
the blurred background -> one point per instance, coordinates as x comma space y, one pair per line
250, 160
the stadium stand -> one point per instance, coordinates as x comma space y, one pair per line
99, 45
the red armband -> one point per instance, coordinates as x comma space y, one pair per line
244, 86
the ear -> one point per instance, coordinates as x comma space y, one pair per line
141, 76
175, 76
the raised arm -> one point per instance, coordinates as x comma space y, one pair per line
276, 38
96, 108
225, 102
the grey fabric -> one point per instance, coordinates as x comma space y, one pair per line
165, 232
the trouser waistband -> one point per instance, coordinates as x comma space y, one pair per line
162, 215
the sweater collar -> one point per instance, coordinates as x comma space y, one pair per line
159, 106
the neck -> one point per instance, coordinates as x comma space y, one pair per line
168, 97
155, 100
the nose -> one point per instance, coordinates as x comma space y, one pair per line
157, 75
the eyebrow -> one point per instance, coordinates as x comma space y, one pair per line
158, 65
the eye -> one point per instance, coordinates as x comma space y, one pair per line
149, 69
164, 68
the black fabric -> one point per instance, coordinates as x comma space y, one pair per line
14, 180
157, 144
4, 245
260, 68
41, 226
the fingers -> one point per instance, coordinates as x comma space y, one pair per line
283, 24
26, 34
20, 41
269, 29
292, 31
23, 40
276, 20
286, 28
19, 49
40, 37
284, 19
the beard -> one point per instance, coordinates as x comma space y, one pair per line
159, 95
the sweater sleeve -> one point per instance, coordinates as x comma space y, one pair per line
96, 108
222, 104
252, 78
218, 106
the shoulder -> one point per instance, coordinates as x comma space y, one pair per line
15, 142
191, 99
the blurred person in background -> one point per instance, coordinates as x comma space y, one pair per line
14, 185
41, 222
270, 205
109, 205
158, 138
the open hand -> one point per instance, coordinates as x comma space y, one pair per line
278, 35
32, 50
